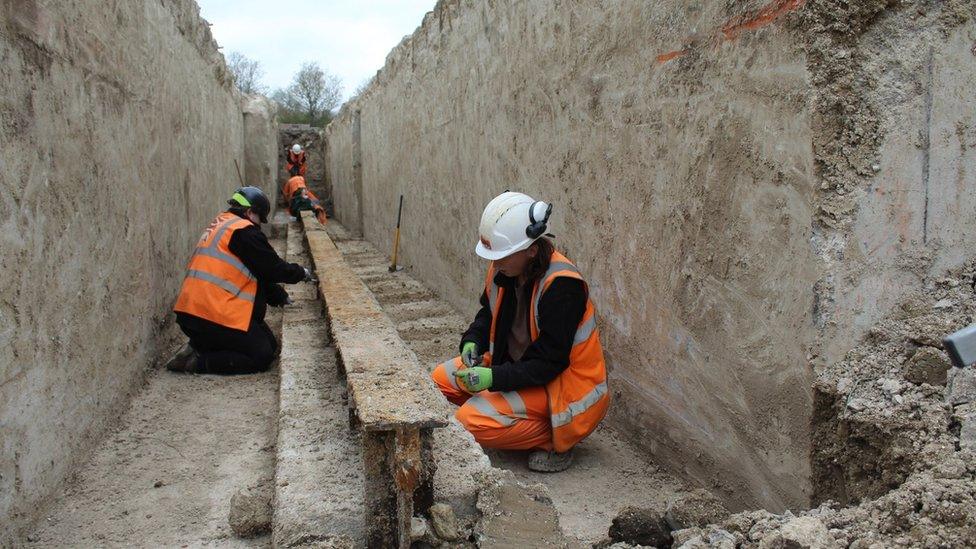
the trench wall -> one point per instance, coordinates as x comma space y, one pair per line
119, 129
261, 145
729, 179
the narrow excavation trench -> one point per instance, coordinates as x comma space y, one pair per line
166, 475
607, 475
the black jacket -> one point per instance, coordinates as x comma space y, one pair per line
251, 246
560, 310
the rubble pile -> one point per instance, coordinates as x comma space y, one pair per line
894, 449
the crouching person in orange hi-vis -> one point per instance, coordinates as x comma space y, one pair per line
232, 277
531, 375
299, 197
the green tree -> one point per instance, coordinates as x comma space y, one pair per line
311, 97
247, 73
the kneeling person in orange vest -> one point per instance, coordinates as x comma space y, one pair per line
233, 275
542, 384
299, 197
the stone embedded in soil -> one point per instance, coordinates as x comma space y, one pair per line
699, 508
250, 512
961, 386
927, 365
800, 533
951, 468
444, 522
641, 526
418, 528
681, 537
966, 415
707, 538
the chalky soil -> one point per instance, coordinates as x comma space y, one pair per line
166, 477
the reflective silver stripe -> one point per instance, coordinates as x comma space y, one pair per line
580, 406
213, 249
449, 368
559, 266
222, 284
585, 330
220, 231
491, 348
516, 403
487, 409
226, 258
553, 268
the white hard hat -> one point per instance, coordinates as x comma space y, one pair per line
510, 223
296, 148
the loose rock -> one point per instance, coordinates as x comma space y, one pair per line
641, 527
962, 386
418, 528
250, 512
967, 432
444, 522
927, 365
800, 533
698, 508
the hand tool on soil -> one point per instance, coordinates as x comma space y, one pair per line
961, 346
396, 238
239, 176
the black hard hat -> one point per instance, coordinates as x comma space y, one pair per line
252, 197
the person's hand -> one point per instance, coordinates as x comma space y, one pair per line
469, 354
310, 276
474, 379
277, 296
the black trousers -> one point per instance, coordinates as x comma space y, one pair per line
226, 351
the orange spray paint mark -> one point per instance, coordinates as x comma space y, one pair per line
737, 25
665, 57
771, 12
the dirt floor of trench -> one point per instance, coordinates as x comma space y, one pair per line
166, 474
607, 475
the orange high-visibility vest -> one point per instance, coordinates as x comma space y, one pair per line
299, 160
579, 396
218, 287
293, 185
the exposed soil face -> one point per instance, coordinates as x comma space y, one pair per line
608, 474
895, 434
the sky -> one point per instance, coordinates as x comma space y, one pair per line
348, 38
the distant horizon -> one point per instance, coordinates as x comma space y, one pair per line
349, 39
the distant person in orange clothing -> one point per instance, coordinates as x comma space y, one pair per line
299, 197
296, 161
531, 375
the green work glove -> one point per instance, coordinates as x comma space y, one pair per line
469, 353
472, 380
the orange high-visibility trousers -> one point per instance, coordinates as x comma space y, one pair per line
511, 420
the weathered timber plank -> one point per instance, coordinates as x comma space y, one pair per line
387, 386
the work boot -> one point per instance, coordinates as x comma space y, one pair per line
542, 461
185, 360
